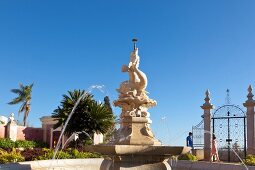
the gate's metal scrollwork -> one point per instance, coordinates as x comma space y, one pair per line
228, 123
198, 135
229, 127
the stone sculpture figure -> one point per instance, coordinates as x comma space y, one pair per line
137, 79
133, 98
134, 104
11, 118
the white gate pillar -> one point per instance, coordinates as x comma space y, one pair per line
250, 104
207, 107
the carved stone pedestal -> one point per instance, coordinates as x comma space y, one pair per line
136, 131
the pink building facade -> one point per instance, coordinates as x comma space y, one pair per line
45, 134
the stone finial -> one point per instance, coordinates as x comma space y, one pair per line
11, 118
207, 104
249, 101
250, 95
207, 97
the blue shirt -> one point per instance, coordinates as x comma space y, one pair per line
189, 141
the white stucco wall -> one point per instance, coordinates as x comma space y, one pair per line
100, 164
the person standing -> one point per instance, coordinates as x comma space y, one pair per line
189, 141
214, 150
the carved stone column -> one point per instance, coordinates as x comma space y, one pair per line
207, 107
250, 104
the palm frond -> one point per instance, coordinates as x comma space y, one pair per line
89, 115
17, 91
16, 100
22, 108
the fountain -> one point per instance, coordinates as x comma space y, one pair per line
134, 145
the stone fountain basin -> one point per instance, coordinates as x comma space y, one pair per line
138, 150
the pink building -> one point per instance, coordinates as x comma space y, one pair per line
46, 133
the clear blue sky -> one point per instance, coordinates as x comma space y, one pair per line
185, 47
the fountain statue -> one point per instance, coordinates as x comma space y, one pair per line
134, 103
134, 144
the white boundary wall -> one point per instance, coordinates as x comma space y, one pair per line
101, 164
61, 164
202, 165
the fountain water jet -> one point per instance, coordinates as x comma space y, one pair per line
239, 158
72, 137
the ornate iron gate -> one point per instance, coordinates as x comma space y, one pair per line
198, 135
229, 127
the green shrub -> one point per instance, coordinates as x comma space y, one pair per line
68, 154
62, 155
42, 154
187, 156
29, 144
32, 154
76, 154
250, 160
40, 144
6, 143
90, 155
12, 156
48, 154
25, 144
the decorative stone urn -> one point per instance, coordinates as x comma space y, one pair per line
134, 145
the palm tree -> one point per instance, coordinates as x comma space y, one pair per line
24, 97
89, 116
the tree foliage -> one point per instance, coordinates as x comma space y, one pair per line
89, 115
24, 97
109, 134
107, 103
